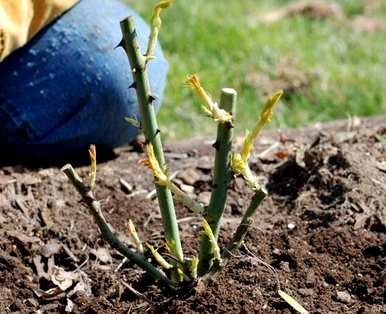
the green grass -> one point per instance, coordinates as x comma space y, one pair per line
345, 68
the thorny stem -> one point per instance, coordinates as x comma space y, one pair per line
151, 131
95, 209
220, 180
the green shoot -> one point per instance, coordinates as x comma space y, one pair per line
133, 122
155, 24
239, 161
193, 267
134, 235
158, 257
207, 231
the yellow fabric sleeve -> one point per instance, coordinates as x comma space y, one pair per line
20, 20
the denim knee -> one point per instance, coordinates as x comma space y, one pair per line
69, 87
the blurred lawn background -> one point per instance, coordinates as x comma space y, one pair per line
329, 69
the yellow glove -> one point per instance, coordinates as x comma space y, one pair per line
20, 20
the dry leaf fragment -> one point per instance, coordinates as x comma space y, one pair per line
70, 306
63, 279
102, 254
22, 238
282, 154
83, 286
50, 294
292, 302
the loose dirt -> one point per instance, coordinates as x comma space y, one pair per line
322, 230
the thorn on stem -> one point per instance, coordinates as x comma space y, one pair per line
216, 145
151, 99
133, 85
158, 131
121, 44
230, 125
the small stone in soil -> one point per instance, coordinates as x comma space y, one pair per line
291, 226
189, 176
285, 266
305, 292
343, 296
187, 189
204, 197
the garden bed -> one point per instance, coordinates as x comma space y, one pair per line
323, 229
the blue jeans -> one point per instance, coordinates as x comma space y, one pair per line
69, 87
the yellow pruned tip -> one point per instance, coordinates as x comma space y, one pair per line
194, 82
209, 233
155, 24
266, 115
93, 165
158, 257
152, 163
239, 161
292, 302
135, 237
210, 107
164, 4
156, 18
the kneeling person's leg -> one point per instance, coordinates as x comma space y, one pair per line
69, 87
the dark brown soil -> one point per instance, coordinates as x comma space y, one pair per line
322, 229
